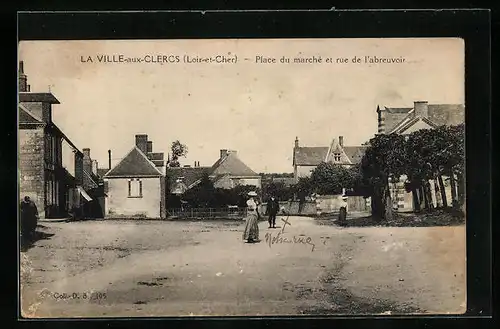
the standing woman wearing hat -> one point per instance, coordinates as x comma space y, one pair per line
251, 233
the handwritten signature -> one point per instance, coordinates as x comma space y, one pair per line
280, 237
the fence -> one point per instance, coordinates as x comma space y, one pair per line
228, 213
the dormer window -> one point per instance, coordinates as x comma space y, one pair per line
336, 157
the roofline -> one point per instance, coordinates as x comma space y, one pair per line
134, 176
90, 176
160, 174
410, 123
29, 112
53, 125
53, 101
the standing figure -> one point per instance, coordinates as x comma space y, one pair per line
29, 218
343, 209
251, 232
273, 206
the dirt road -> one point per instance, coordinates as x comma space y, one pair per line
163, 268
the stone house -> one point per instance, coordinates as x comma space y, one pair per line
307, 158
184, 178
50, 166
135, 186
406, 120
229, 171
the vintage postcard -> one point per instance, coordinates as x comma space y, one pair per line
241, 177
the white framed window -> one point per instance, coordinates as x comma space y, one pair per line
336, 157
135, 188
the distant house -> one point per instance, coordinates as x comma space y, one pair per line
307, 158
50, 165
406, 120
181, 179
229, 171
93, 185
135, 186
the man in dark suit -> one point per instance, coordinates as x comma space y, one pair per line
272, 209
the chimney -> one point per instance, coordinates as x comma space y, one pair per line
23, 79
341, 141
421, 108
109, 159
141, 141
86, 153
150, 147
296, 142
223, 153
381, 119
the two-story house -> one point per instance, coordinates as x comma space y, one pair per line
307, 158
43, 175
135, 186
404, 121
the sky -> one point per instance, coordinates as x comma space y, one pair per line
254, 108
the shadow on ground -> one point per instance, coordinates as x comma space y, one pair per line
27, 242
438, 217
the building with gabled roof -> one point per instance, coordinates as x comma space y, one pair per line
307, 158
50, 165
404, 121
135, 186
184, 178
229, 171
422, 115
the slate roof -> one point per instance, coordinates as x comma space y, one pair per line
394, 116
438, 115
447, 114
134, 164
89, 180
185, 175
355, 153
230, 164
313, 156
310, 156
102, 171
38, 97
25, 116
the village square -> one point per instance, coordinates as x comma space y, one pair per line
376, 227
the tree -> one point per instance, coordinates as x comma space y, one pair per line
384, 159
329, 178
455, 164
432, 154
178, 150
303, 188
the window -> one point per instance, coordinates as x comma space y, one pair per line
134, 188
336, 157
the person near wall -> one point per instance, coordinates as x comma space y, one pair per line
29, 218
343, 209
272, 209
251, 232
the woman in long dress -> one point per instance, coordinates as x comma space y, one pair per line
251, 232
